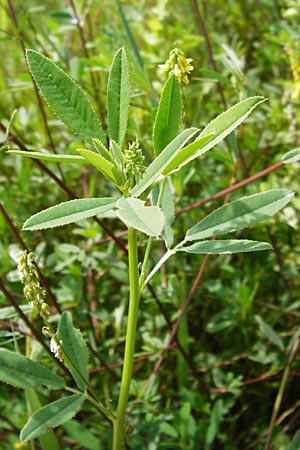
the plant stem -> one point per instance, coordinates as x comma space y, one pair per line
134, 297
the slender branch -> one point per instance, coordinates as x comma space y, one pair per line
232, 188
279, 396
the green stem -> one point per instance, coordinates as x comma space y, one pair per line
134, 297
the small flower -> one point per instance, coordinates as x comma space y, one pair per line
55, 348
179, 65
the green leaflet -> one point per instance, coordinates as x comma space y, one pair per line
71, 211
47, 440
291, 156
187, 154
103, 165
75, 348
51, 416
117, 155
156, 168
240, 214
225, 246
226, 122
24, 373
269, 332
102, 150
215, 131
148, 219
118, 97
217, 412
295, 444
167, 206
51, 157
64, 97
168, 115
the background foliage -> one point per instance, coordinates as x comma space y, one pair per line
240, 329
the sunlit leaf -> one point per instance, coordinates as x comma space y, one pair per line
156, 168
118, 97
51, 157
65, 97
225, 246
216, 130
70, 212
103, 165
240, 214
167, 206
168, 115
148, 219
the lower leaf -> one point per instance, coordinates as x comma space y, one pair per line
51, 416
225, 246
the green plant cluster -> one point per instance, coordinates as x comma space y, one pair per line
139, 142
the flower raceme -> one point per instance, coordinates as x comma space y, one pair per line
178, 65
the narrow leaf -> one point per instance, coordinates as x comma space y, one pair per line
168, 115
51, 157
70, 212
47, 440
216, 415
102, 150
291, 156
156, 168
64, 97
295, 444
269, 332
74, 347
24, 373
148, 219
240, 214
117, 155
218, 129
51, 416
103, 165
186, 154
226, 122
118, 97
225, 246
167, 206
